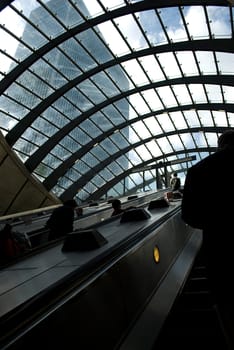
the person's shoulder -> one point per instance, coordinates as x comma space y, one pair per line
206, 162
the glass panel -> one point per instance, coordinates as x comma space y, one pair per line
80, 136
65, 12
66, 108
169, 64
219, 20
94, 9
92, 92
78, 100
197, 91
43, 20
187, 141
90, 128
81, 167
43, 171
154, 149
143, 152
70, 144
178, 120
51, 161
187, 63
112, 4
192, 118
153, 125
152, 27
231, 119
212, 139
99, 152
139, 104
55, 117
23, 96
167, 96
206, 62
135, 71
206, 118
119, 76
133, 136
115, 168
23, 146
35, 84
94, 45
120, 140
6, 122
214, 93
42, 124
173, 24
165, 122
152, 67
107, 175
90, 160
113, 39
131, 32
134, 157
200, 139
228, 94
109, 146
98, 181
60, 152
12, 107
164, 145
152, 99
48, 73
176, 142
225, 62
6, 63
63, 64
182, 94
193, 16
141, 129
78, 54
105, 84
101, 120
220, 118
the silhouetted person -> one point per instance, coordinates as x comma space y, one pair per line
207, 205
175, 182
61, 220
116, 205
9, 246
79, 211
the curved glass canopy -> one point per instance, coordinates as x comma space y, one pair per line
98, 96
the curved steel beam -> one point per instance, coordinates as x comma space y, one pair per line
103, 190
72, 190
52, 179
38, 156
226, 45
130, 8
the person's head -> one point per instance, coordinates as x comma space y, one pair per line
175, 174
226, 139
116, 204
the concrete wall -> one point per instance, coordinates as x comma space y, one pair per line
20, 191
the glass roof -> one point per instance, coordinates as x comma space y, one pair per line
95, 94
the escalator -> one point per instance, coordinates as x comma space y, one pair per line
193, 321
92, 299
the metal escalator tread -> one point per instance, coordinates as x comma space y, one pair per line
192, 322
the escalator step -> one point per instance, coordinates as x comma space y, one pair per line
192, 323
